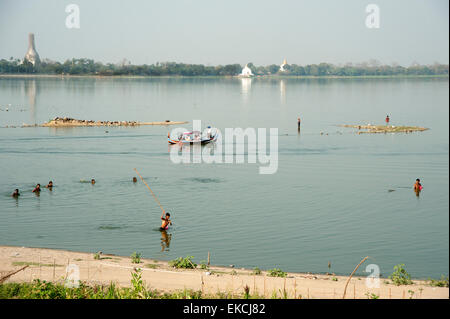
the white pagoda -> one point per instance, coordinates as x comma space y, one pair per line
282, 66
246, 72
32, 56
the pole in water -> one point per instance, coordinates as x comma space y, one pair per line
156, 199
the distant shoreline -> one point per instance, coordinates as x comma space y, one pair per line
220, 76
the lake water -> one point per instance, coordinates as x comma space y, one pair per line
336, 197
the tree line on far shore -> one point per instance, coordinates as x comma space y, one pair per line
90, 67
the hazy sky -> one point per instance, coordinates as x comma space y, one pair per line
222, 32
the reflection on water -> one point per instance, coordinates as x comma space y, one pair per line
246, 85
282, 91
31, 92
165, 240
331, 188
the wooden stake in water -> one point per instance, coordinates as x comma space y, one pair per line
209, 256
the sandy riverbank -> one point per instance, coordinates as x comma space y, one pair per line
50, 265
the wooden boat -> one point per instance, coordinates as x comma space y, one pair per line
193, 137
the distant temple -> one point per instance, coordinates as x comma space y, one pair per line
246, 72
282, 66
32, 56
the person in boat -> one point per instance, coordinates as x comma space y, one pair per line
16, 193
37, 189
49, 185
165, 221
417, 185
92, 181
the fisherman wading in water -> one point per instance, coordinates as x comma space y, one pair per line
165, 221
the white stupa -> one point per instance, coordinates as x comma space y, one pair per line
32, 56
282, 66
246, 72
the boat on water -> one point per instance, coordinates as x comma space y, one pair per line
192, 137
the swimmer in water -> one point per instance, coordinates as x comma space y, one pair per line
417, 186
16, 193
49, 185
165, 221
134, 179
92, 181
37, 189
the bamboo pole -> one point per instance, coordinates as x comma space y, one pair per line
2, 279
264, 286
295, 288
54, 265
203, 284
348, 280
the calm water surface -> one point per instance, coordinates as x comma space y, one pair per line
336, 197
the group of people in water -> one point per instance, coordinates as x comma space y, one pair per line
37, 188
165, 217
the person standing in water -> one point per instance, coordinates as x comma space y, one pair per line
387, 119
16, 193
417, 186
49, 185
298, 123
165, 221
92, 181
134, 180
